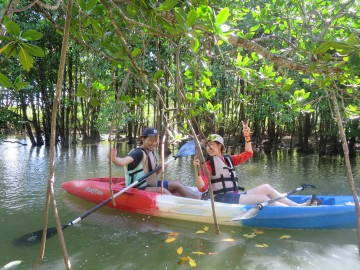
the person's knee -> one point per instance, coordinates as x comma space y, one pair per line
166, 191
267, 187
158, 190
175, 185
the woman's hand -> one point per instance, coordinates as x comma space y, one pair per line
246, 129
112, 154
196, 161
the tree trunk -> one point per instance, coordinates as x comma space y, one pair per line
27, 123
347, 162
36, 125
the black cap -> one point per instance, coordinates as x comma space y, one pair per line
149, 132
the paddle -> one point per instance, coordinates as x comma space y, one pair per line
187, 149
255, 210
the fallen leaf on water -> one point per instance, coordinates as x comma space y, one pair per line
262, 245
171, 239
192, 263
174, 234
206, 228
198, 253
200, 232
285, 237
257, 231
180, 250
228, 240
183, 260
249, 235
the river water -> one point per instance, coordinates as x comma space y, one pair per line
110, 239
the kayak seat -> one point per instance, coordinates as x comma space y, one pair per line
329, 201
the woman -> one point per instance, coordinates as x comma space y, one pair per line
142, 160
223, 176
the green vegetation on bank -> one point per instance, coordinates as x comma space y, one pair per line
136, 63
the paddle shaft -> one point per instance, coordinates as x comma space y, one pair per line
187, 149
262, 205
35, 236
133, 185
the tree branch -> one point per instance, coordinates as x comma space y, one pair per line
276, 59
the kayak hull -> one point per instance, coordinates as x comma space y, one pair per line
336, 212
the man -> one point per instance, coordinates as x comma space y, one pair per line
142, 160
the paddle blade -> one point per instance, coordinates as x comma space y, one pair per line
188, 149
34, 237
247, 214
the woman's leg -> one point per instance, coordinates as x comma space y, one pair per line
158, 190
184, 191
253, 198
271, 193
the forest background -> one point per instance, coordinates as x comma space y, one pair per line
132, 64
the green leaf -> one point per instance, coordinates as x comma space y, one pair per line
194, 44
222, 16
13, 28
188, 74
98, 85
90, 4
299, 94
11, 51
353, 40
223, 38
342, 46
324, 47
254, 28
218, 30
87, 5
158, 74
209, 94
136, 52
167, 5
4, 48
26, 60
82, 4
172, 30
94, 102
354, 59
205, 80
180, 17
33, 50
82, 90
209, 106
308, 108
19, 84
191, 18
32, 35
97, 27
5, 82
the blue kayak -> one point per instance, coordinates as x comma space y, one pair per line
336, 212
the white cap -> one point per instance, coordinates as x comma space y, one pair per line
217, 138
